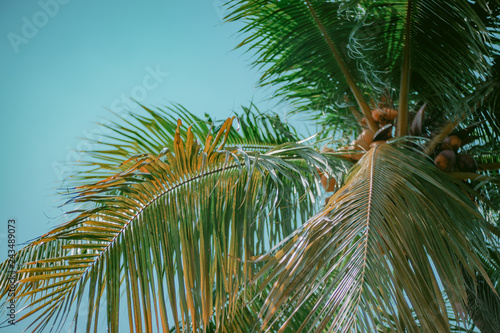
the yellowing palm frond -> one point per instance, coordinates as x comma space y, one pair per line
171, 232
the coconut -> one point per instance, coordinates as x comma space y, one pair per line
384, 115
466, 163
445, 161
377, 114
451, 142
389, 114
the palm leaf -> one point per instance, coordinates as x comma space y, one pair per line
246, 317
394, 237
373, 40
483, 301
169, 232
295, 51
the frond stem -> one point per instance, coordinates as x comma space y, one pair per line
489, 166
355, 112
367, 231
347, 74
404, 91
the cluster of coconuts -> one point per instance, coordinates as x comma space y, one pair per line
446, 154
447, 158
384, 116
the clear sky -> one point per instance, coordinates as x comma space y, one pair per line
63, 63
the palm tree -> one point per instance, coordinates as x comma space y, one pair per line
194, 225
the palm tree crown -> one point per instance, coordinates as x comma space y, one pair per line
195, 225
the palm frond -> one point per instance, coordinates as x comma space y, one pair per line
394, 237
448, 50
440, 38
487, 185
172, 231
483, 301
295, 53
246, 318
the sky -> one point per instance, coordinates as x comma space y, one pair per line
65, 63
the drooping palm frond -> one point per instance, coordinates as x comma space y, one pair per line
484, 302
445, 45
393, 238
457, 324
486, 116
169, 232
485, 150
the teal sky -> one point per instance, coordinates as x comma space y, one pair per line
63, 63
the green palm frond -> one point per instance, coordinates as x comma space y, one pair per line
487, 111
294, 53
488, 182
457, 324
442, 38
397, 234
170, 232
484, 302
448, 50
